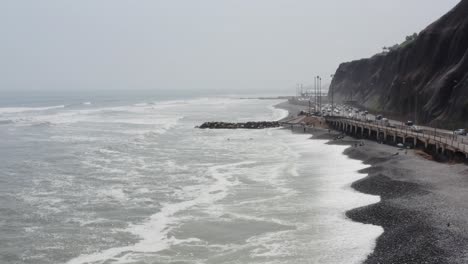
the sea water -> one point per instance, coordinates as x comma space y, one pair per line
135, 182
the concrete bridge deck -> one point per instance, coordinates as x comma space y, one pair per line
439, 143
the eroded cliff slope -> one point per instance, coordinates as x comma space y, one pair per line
428, 75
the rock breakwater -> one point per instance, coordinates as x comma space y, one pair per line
246, 125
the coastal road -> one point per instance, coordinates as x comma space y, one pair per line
401, 125
425, 130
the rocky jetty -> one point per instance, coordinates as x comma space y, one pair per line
247, 125
426, 76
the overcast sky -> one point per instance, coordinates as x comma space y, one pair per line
238, 45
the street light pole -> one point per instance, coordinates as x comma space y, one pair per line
416, 110
332, 106
320, 93
315, 94
320, 78
317, 91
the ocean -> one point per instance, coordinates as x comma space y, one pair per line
133, 181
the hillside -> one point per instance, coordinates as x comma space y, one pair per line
427, 76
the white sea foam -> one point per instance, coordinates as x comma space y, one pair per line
9, 110
114, 193
278, 113
331, 196
32, 229
129, 115
83, 222
295, 185
154, 232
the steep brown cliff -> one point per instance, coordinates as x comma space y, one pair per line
428, 76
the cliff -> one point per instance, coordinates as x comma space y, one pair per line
427, 76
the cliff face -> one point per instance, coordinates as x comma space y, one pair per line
428, 76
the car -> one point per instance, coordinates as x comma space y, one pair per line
460, 131
385, 122
409, 123
416, 129
378, 117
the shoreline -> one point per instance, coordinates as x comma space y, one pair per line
422, 208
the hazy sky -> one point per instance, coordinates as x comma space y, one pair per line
241, 45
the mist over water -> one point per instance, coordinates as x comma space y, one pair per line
132, 181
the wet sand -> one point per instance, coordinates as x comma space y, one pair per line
424, 204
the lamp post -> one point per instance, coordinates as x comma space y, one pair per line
320, 94
316, 93
331, 86
317, 78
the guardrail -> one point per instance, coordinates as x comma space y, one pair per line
436, 137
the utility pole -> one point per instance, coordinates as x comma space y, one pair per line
315, 94
320, 94
319, 90
416, 110
331, 86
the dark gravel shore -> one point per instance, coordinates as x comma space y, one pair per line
423, 208
423, 221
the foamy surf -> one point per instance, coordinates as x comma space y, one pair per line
136, 183
9, 110
154, 232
